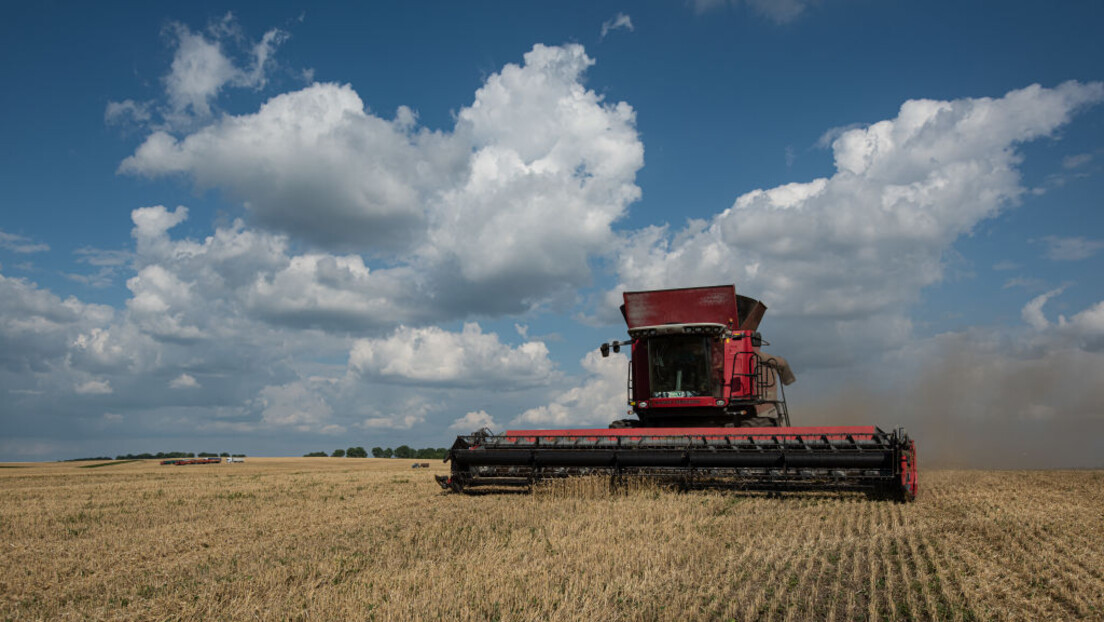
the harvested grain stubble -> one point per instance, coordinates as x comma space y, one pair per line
318, 538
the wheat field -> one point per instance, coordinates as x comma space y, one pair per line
342, 539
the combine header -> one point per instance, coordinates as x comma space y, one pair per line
711, 412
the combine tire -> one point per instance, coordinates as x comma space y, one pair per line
759, 422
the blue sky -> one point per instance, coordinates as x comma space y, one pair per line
278, 229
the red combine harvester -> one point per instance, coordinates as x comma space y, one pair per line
711, 412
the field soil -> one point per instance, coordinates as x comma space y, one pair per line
344, 539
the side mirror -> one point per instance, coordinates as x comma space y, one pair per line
616, 347
605, 350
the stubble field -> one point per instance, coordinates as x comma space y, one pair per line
329, 538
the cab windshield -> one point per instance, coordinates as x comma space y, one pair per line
679, 366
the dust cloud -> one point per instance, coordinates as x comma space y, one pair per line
970, 405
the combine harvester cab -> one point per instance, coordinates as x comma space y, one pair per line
710, 412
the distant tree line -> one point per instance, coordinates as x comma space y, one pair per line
402, 451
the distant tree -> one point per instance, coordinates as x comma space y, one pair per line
377, 452
339, 453
315, 454
387, 453
224, 454
356, 452
207, 454
404, 451
239, 455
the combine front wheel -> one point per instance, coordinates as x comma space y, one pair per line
910, 485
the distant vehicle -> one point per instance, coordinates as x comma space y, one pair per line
230, 459
184, 461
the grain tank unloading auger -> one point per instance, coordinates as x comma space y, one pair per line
711, 412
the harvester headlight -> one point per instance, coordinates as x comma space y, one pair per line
720, 402
643, 404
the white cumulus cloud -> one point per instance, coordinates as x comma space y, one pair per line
1032, 313
600, 399
617, 22
778, 11
502, 213
296, 405
201, 66
94, 387
21, 244
408, 413
849, 253
37, 327
313, 161
470, 358
472, 421
184, 381
1074, 248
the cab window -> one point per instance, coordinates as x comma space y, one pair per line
679, 366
